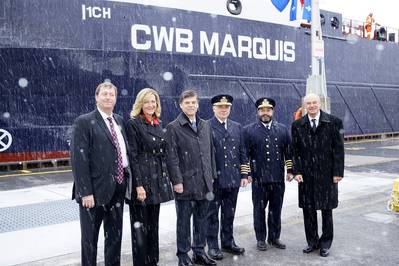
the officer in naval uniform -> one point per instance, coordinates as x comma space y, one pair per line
269, 148
232, 168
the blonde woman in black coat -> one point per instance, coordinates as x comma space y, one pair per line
151, 185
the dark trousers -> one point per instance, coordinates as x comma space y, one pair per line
226, 200
144, 220
312, 236
264, 194
184, 210
90, 221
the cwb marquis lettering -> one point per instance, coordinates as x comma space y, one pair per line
180, 40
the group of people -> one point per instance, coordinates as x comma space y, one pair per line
201, 165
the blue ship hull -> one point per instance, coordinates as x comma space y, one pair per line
53, 53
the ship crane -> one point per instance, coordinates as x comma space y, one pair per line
316, 82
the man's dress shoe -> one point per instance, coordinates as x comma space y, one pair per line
324, 252
233, 249
215, 254
309, 249
277, 244
185, 261
203, 259
261, 245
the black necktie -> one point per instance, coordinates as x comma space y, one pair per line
224, 125
314, 125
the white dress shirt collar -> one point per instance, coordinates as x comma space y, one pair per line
268, 125
220, 121
104, 115
317, 117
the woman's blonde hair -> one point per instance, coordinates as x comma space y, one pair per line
137, 108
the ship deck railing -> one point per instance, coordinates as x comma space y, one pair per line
34, 164
357, 27
373, 136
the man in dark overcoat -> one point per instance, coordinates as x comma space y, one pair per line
191, 165
269, 147
232, 167
318, 149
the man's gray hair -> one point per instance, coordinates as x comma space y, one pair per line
311, 96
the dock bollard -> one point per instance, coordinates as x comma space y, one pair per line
393, 204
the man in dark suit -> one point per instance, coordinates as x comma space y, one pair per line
191, 165
232, 167
100, 170
318, 149
269, 148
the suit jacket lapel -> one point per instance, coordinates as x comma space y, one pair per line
185, 123
216, 125
227, 132
121, 126
263, 127
200, 124
229, 127
306, 124
103, 126
323, 120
